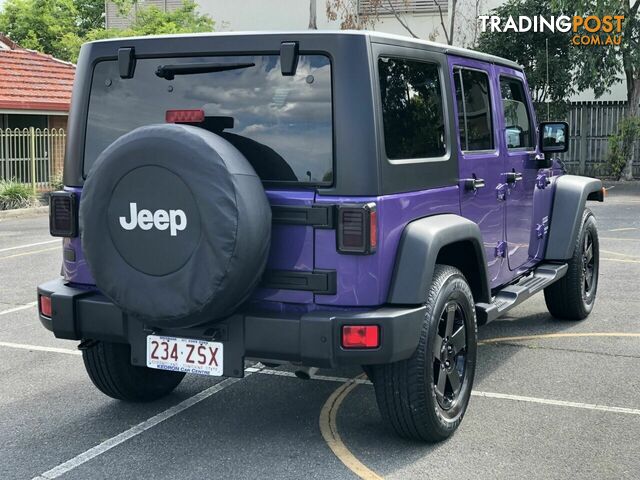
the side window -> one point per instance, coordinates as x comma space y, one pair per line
474, 109
518, 133
412, 109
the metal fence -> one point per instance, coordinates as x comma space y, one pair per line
590, 125
35, 156
31, 155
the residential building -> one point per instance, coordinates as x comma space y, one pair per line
114, 19
35, 89
35, 95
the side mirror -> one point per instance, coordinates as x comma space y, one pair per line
554, 137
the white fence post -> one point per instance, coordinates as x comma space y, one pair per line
32, 151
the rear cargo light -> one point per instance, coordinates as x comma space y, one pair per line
373, 229
184, 116
360, 336
63, 214
45, 305
357, 228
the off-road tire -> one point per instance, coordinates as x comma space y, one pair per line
406, 390
109, 368
569, 298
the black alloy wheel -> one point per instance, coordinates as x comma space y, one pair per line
450, 355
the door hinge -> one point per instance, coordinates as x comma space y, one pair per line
542, 181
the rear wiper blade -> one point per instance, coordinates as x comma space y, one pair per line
170, 71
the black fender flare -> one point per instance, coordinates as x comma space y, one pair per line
422, 242
571, 194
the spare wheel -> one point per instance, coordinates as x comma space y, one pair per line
175, 225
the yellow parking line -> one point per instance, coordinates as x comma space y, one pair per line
30, 253
329, 430
623, 260
329, 413
623, 239
619, 254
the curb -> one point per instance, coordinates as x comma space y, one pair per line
23, 212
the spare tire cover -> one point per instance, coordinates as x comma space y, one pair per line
175, 225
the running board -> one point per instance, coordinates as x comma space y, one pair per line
513, 295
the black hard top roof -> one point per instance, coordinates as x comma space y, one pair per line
375, 37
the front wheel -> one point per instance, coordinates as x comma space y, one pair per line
573, 296
109, 367
425, 397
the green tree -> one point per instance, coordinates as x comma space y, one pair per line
600, 67
41, 24
60, 27
149, 20
530, 50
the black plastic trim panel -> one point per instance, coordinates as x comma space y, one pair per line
322, 282
315, 216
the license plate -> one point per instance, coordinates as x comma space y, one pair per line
185, 355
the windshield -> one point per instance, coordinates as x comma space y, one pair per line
282, 124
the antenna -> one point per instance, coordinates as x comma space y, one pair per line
546, 41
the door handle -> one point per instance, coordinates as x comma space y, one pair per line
513, 177
474, 183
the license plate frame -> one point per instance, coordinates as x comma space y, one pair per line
188, 355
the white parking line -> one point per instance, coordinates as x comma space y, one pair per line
199, 397
557, 403
476, 393
17, 309
28, 245
31, 252
284, 373
624, 229
135, 430
38, 348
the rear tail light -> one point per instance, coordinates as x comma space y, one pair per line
63, 214
360, 336
45, 305
184, 116
357, 228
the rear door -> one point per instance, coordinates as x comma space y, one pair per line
519, 158
281, 123
480, 162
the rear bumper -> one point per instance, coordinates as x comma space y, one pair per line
311, 338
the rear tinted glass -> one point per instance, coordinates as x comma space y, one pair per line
474, 109
412, 110
282, 124
518, 131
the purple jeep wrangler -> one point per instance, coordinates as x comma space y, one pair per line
324, 199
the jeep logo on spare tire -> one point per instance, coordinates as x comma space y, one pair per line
174, 220
153, 219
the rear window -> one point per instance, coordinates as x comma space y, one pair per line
282, 124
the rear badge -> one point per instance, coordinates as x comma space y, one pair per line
174, 220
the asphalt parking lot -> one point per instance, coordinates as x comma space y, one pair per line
560, 400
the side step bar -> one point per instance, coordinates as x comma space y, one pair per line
513, 295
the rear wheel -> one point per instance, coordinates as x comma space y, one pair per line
573, 296
426, 396
109, 368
